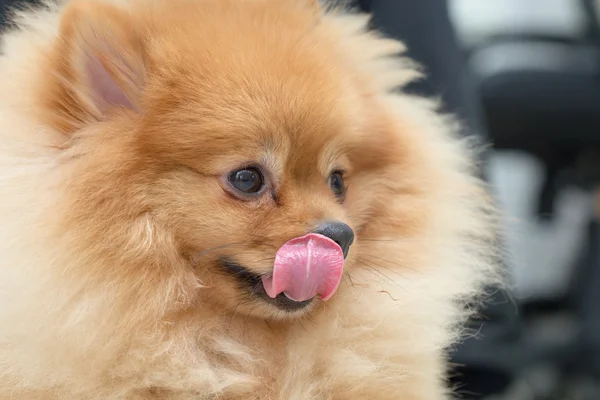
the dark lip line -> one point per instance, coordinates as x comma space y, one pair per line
254, 283
239, 271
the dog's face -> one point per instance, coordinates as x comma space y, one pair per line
247, 168
220, 152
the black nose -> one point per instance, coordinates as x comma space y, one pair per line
339, 232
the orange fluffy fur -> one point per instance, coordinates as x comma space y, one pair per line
112, 220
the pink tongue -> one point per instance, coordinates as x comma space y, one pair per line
306, 266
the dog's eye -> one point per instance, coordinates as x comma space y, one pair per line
336, 183
247, 180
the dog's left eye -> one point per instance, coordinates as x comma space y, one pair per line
336, 183
247, 180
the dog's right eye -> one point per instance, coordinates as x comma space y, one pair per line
248, 180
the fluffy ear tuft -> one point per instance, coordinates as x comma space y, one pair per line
97, 66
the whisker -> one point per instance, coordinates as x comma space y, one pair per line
203, 253
233, 313
380, 274
394, 263
246, 324
234, 297
383, 240
268, 325
388, 293
306, 330
375, 272
349, 278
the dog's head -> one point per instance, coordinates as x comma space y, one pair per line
227, 151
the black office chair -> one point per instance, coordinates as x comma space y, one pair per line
541, 94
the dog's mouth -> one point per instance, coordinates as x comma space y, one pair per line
254, 284
305, 267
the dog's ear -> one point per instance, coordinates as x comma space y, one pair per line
96, 68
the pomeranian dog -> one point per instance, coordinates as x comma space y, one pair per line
227, 199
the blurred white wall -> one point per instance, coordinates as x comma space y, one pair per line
477, 19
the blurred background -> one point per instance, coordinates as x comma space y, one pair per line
535, 66
534, 70
523, 76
